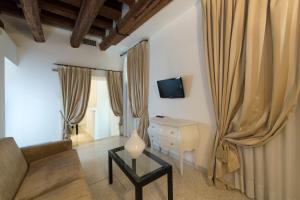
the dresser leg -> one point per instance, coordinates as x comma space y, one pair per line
181, 162
151, 145
195, 159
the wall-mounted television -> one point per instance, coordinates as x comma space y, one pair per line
171, 88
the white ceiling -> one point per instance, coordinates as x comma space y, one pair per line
165, 16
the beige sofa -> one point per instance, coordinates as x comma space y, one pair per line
48, 171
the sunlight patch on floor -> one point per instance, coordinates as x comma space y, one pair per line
81, 138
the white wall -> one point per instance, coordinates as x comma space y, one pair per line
2, 98
33, 90
8, 51
177, 50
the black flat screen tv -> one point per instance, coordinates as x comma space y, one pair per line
171, 88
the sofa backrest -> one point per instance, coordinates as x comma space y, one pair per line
13, 168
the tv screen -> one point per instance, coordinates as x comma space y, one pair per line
171, 88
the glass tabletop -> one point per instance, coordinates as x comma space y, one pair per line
142, 165
146, 164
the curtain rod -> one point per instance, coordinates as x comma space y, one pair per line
125, 52
92, 68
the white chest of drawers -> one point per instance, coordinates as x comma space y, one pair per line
174, 134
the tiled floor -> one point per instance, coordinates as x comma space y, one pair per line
191, 186
81, 138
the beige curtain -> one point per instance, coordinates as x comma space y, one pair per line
75, 87
138, 86
271, 171
115, 89
252, 53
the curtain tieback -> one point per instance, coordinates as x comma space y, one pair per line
68, 123
67, 127
145, 112
227, 154
142, 114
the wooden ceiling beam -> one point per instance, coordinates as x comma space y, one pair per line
111, 13
106, 24
138, 14
49, 19
104, 11
112, 38
58, 9
68, 24
85, 19
1, 24
32, 15
128, 2
9, 8
151, 12
71, 13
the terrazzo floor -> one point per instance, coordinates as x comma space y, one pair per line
191, 186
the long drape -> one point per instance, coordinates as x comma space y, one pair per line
271, 171
138, 86
75, 88
115, 90
129, 122
252, 53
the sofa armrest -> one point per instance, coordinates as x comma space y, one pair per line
36, 152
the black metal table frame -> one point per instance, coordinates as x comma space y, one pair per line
140, 182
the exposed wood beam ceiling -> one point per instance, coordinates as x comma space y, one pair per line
128, 2
32, 16
1, 24
71, 13
65, 23
101, 18
49, 19
85, 19
110, 9
138, 14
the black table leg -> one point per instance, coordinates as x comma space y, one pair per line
138, 193
77, 129
134, 165
110, 170
170, 184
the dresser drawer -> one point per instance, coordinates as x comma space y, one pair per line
154, 127
170, 132
152, 135
167, 142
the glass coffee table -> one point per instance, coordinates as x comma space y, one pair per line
141, 171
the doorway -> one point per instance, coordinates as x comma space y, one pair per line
99, 121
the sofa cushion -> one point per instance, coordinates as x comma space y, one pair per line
49, 174
13, 167
76, 190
